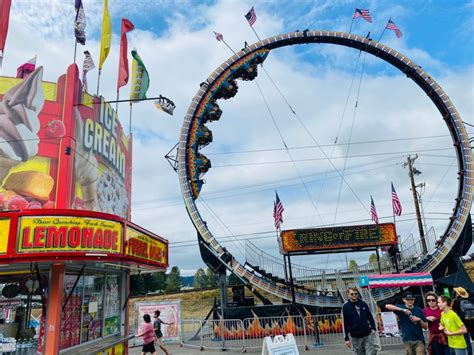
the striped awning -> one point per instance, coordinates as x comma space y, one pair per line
400, 280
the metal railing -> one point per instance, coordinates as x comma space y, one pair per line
310, 332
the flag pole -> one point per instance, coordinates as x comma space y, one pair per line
75, 51
130, 120
116, 103
352, 23
230, 48
256, 34
98, 81
383, 31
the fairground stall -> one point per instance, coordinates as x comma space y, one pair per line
67, 246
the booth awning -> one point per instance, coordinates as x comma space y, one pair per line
396, 280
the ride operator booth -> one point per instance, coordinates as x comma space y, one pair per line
67, 246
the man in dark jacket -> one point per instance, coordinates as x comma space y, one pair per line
359, 323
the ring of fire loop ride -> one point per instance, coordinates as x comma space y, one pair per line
221, 84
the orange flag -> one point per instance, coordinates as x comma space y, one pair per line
122, 80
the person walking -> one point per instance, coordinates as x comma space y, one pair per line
158, 334
413, 322
460, 300
359, 324
452, 326
148, 335
438, 342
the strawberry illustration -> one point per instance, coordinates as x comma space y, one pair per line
17, 202
55, 129
3, 202
48, 205
33, 205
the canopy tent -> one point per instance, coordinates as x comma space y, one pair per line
396, 280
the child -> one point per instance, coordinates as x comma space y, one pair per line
452, 326
148, 336
158, 334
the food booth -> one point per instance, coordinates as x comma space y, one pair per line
67, 246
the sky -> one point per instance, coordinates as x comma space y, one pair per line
375, 113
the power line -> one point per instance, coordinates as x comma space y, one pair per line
325, 158
329, 145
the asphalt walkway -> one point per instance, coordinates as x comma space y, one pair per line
177, 350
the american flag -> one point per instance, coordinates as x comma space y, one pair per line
397, 206
278, 212
391, 26
251, 16
219, 36
373, 211
362, 13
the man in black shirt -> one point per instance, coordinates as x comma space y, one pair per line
158, 333
359, 323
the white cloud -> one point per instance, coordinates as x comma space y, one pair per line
315, 80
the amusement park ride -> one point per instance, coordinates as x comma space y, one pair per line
263, 272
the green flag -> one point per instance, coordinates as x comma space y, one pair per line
140, 78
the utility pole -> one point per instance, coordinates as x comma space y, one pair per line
411, 173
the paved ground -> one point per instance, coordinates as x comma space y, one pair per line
177, 350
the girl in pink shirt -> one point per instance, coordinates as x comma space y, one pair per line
148, 334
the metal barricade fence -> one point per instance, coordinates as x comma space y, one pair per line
191, 334
227, 334
324, 330
258, 328
310, 332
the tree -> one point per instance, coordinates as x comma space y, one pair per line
150, 283
173, 281
353, 265
200, 279
211, 278
373, 261
160, 278
137, 285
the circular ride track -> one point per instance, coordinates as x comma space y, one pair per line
221, 84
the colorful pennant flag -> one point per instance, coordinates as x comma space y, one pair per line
278, 212
251, 16
87, 66
80, 23
4, 20
122, 80
140, 78
26, 69
106, 38
219, 36
362, 13
396, 205
391, 26
373, 211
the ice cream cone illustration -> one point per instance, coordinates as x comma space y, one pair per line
19, 123
87, 167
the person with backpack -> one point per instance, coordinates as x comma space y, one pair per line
359, 324
452, 326
464, 308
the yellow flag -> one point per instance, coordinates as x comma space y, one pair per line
106, 35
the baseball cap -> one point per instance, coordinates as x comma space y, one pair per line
408, 296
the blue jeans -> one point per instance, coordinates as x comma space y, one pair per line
458, 351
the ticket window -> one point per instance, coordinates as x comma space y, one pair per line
93, 310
